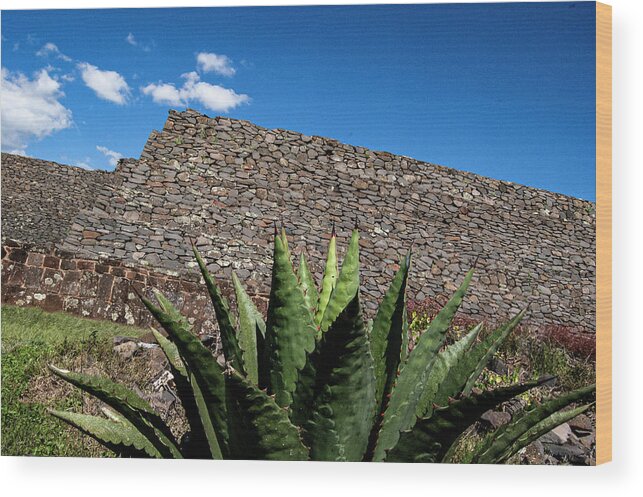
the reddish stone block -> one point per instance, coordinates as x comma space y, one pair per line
18, 255
105, 284
11, 293
88, 284
52, 303
156, 281
68, 264
71, 304
119, 272
87, 307
102, 268
35, 259
15, 276
51, 280
86, 265
70, 284
190, 287
120, 290
33, 276
172, 285
51, 262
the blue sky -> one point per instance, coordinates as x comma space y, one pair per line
502, 90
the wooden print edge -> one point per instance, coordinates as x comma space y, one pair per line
603, 233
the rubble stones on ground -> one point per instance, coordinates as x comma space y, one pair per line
495, 419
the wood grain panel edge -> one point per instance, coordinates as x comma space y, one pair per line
603, 233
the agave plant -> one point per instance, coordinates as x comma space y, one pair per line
315, 382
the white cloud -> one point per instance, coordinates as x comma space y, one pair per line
52, 49
211, 62
31, 109
164, 93
108, 85
213, 97
131, 39
110, 154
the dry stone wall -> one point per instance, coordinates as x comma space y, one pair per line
41, 198
225, 182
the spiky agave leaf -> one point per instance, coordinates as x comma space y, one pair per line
227, 330
347, 284
410, 384
307, 283
250, 320
290, 330
485, 350
344, 391
431, 437
545, 426
303, 396
205, 377
197, 448
123, 400
121, 436
443, 382
329, 280
498, 445
259, 428
388, 336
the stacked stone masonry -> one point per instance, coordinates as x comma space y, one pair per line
225, 182
40, 199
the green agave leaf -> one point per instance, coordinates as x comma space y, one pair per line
135, 409
302, 403
329, 279
259, 428
484, 351
290, 330
506, 440
347, 284
250, 320
172, 354
172, 312
231, 349
284, 238
307, 283
344, 392
545, 426
262, 358
302, 397
431, 437
198, 447
388, 340
121, 437
401, 411
443, 381
205, 378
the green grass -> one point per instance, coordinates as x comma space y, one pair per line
31, 338
28, 325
